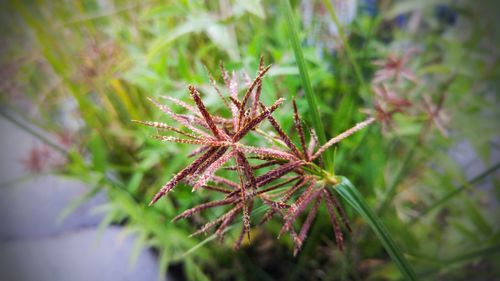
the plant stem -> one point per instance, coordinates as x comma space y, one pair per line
306, 82
356, 200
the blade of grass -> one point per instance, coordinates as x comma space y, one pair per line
356, 200
306, 82
257, 211
457, 191
481, 253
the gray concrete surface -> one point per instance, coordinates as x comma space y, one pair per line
36, 246
32, 208
75, 256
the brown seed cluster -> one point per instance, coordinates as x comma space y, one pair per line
283, 176
393, 84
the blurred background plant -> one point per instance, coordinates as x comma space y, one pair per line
427, 70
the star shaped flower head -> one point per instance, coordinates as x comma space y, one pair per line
284, 177
393, 68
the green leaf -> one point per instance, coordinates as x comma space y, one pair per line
99, 151
356, 200
457, 191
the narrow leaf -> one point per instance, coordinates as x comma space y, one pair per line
356, 200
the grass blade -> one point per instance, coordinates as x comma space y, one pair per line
457, 191
355, 199
306, 82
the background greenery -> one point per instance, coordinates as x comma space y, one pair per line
83, 70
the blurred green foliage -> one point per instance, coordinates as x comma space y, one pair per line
86, 67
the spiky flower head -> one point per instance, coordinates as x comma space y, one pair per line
282, 176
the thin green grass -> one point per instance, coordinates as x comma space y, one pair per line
450, 195
306, 83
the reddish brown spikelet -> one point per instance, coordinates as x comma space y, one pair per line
243, 197
300, 131
290, 192
269, 214
37, 159
284, 137
206, 142
244, 166
339, 238
246, 217
182, 104
221, 219
198, 151
298, 206
255, 82
225, 223
207, 175
179, 118
235, 102
278, 185
203, 167
216, 188
267, 153
277, 173
164, 126
342, 136
257, 167
256, 97
312, 143
340, 211
307, 224
204, 112
201, 207
238, 242
247, 169
224, 181
182, 174
257, 120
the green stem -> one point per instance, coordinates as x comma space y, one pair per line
356, 200
306, 82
